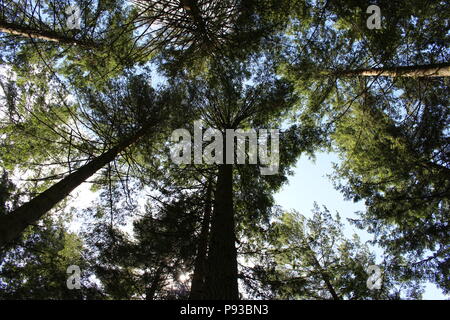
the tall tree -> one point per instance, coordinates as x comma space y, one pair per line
396, 159
198, 278
231, 105
141, 100
296, 257
15, 222
432, 70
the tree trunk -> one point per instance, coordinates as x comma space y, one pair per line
198, 279
330, 287
324, 275
222, 276
430, 70
192, 8
15, 222
26, 32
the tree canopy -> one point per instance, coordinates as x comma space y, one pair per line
92, 92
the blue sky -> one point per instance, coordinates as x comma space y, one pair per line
310, 184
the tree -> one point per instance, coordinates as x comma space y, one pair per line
150, 264
198, 279
78, 106
399, 165
231, 105
37, 267
389, 130
433, 70
297, 257
19, 30
16, 221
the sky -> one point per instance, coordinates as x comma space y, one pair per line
310, 184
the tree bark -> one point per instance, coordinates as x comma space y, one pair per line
198, 279
430, 70
14, 223
324, 275
26, 32
222, 276
330, 287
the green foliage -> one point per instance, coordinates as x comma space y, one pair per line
310, 258
399, 166
37, 266
232, 64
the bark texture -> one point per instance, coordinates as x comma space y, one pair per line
430, 70
222, 276
46, 35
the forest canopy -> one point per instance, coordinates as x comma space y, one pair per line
98, 97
